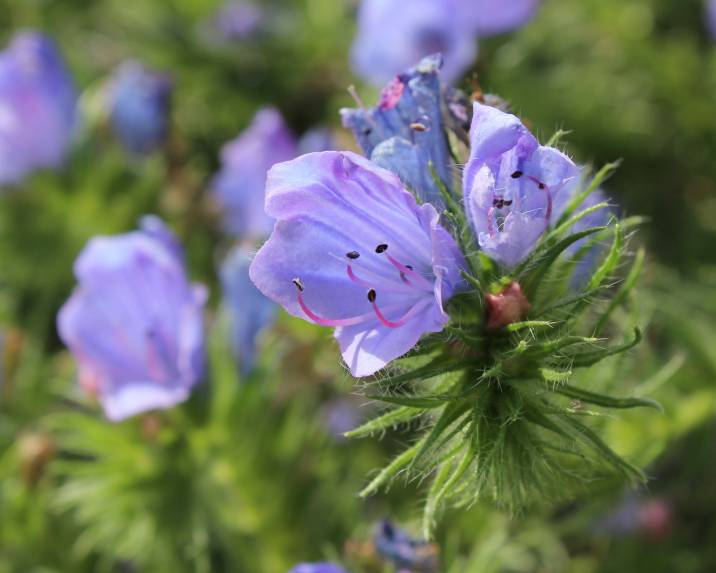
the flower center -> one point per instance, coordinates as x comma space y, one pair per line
496, 216
406, 280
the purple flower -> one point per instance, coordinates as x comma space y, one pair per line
497, 16
239, 186
353, 250
139, 107
317, 568
37, 107
250, 312
404, 132
134, 324
237, 20
316, 139
392, 37
513, 187
403, 550
711, 17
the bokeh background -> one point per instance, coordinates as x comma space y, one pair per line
253, 475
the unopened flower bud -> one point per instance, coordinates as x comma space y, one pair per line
507, 307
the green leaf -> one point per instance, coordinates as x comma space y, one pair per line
534, 269
610, 262
392, 469
386, 421
606, 401
626, 288
590, 437
441, 487
435, 368
517, 326
585, 359
555, 376
450, 414
579, 198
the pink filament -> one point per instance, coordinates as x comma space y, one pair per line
356, 279
408, 271
401, 321
541, 185
328, 322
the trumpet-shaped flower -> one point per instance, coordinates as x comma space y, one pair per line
497, 16
405, 131
392, 37
352, 250
239, 186
134, 324
513, 187
139, 106
250, 312
37, 107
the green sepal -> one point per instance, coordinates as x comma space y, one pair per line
606, 401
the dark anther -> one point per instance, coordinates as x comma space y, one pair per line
409, 267
507, 202
353, 255
498, 203
381, 248
417, 126
517, 175
542, 186
298, 284
367, 131
371, 295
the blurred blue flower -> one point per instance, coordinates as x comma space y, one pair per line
588, 261
140, 106
341, 415
316, 139
250, 312
134, 324
497, 16
239, 186
711, 17
392, 38
237, 20
403, 550
405, 131
37, 107
352, 250
513, 187
317, 568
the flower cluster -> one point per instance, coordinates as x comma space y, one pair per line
455, 296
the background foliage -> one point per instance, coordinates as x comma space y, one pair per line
248, 477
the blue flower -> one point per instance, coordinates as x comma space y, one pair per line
392, 37
250, 312
497, 16
139, 107
513, 187
135, 323
37, 107
353, 250
239, 186
317, 568
405, 131
237, 20
403, 550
